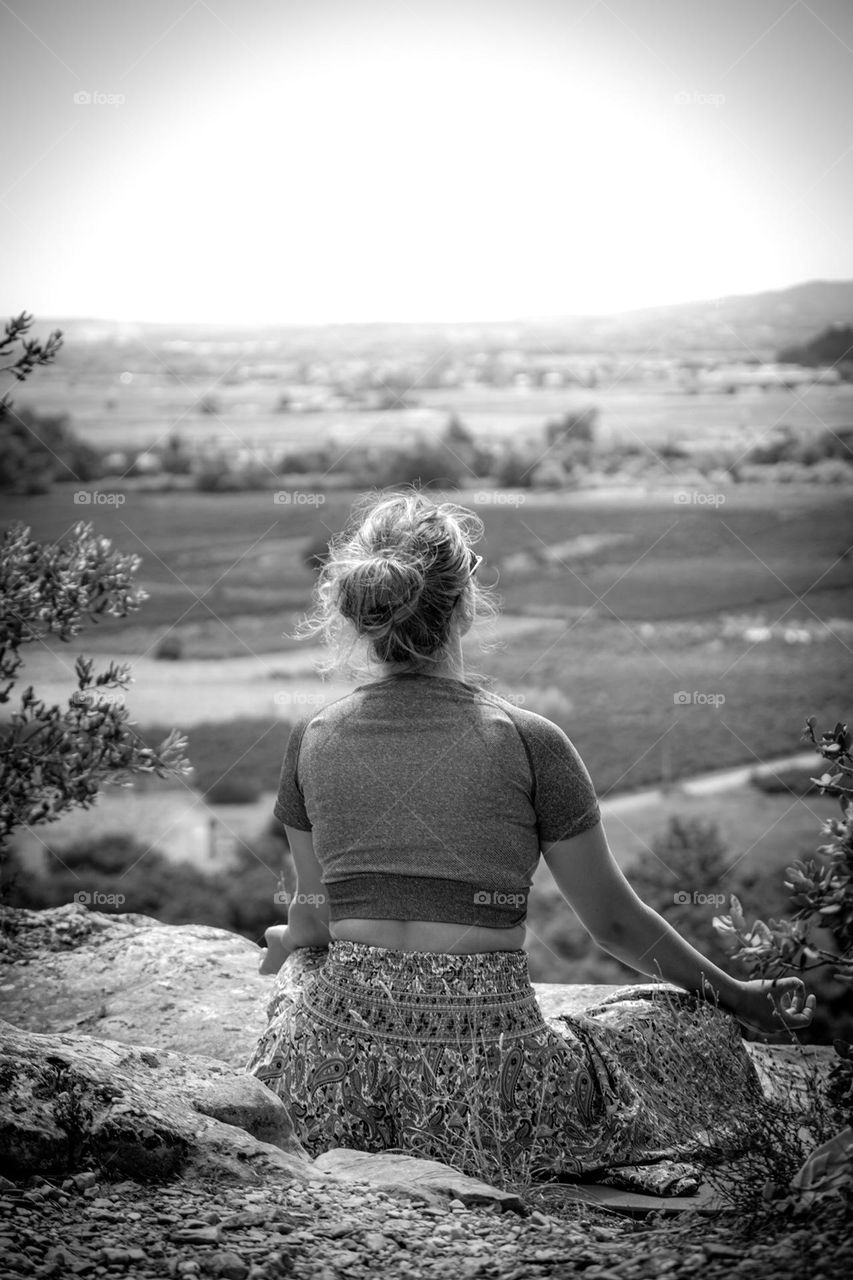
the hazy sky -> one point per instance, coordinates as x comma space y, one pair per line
276, 160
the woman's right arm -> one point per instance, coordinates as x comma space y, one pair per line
592, 883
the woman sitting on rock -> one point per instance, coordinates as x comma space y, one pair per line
416, 808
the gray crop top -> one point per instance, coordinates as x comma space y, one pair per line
429, 799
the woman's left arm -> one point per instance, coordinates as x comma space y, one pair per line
307, 912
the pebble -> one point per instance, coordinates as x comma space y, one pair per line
375, 1242
195, 1235
230, 1266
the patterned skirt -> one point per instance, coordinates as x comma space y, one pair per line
449, 1057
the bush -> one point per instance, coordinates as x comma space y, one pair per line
217, 475
426, 462
574, 427
477, 457
303, 461
794, 781
234, 789
175, 458
53, 759
679, 875
37, 450
143, 880
803, 449
551, 473
169, 649
514, 468
832, 471
818, 939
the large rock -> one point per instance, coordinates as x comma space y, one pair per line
195, 989
428, 1181
80, 989
72, 1100
187, 988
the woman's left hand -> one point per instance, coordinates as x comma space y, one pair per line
775, 1005
277, 950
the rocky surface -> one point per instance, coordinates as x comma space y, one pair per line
194, 989
187, 988
136, 1112
134, 1144
51, 1230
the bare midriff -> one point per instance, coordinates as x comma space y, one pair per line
428, 935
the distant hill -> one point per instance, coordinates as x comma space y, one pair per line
834, 346
742, 327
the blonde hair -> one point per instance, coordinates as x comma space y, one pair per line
388, 591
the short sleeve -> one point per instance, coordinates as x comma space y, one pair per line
289, 805
564, 797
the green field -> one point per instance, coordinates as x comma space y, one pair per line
239, 554
675, 607
110, 414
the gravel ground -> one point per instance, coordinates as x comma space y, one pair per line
81, 1227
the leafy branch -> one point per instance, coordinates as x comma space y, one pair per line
32, 354
821, 888
53, 758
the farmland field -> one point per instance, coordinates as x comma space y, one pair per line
113, 414
666, 639
629, 556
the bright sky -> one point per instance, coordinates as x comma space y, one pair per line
310, 160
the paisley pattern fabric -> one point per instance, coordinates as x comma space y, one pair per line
449, 1057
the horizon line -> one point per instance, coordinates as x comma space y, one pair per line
555, 318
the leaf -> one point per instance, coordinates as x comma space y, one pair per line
737, 918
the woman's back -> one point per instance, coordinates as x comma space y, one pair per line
427, 800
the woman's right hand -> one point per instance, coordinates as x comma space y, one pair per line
278, 948
774, 1005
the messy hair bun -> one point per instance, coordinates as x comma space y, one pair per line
391, 583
